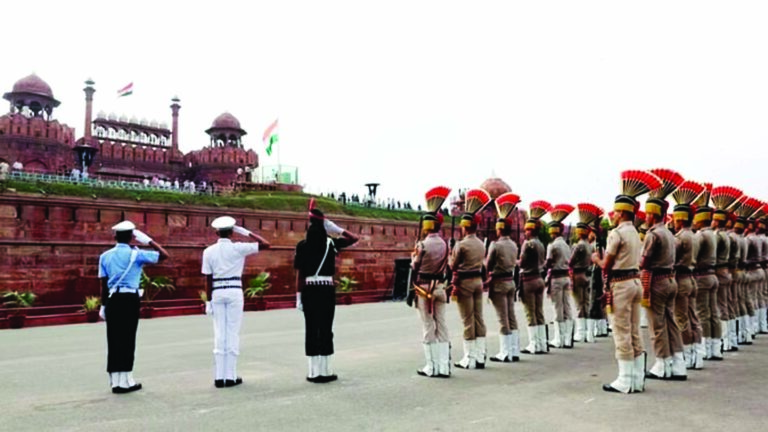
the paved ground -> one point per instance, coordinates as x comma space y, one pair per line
52, 378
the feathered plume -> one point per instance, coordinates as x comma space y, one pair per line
724, 196
588, 212
635, 183
436, 197
639, 218
759, 212
687, 192
703, 199
670, 181
560, 212
747, 207
539, 209
506, 203
475, 200
736, 204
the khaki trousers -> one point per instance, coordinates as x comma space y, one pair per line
433, 324
560, 295
581, 294
470, 303
761, 287
693, 317
665, 334
744, 307
502, 295
533, 300
626, 319
706, 297
749, 291
685, 285
734, 305
724, 281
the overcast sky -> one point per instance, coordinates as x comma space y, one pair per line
554, 97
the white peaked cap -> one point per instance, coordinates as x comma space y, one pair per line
224, 222
124, 226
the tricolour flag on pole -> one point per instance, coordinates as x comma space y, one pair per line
270, 137
125, 91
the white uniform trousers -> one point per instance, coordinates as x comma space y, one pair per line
227, 304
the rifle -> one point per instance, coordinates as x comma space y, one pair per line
411, 293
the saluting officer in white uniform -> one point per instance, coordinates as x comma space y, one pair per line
223, 264
120, 274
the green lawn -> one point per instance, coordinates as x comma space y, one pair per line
278, 201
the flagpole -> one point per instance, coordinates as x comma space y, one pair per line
279, 166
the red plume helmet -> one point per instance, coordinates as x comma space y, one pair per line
506, 204
724, 196
475, 200
636, 182
588, 213
687, 192
561, 211
539, 209
436, 197
670, 180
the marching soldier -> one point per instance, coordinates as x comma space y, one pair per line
223, 264
580, 266
532, 259
620, 267
501, 263
596, 310
761, 226
685, 260
754, 267
558, 256
315, 262
120, 273
734, 257
722, 197
706, 281
745, 207
466, 262
429, 261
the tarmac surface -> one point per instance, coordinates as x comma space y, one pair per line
53, 378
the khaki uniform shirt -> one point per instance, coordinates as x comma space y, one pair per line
581, 255
734, 253
685, 244
723, 246
558, 254
502, 256
707, 245
754, 249
659, 248
624, 244
468, 255
431, 255
533, 257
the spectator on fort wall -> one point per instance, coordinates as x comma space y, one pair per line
146, 183
18, 166
176, 184
192, 186
75, 174
4, 168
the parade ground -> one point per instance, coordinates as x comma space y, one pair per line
53, 378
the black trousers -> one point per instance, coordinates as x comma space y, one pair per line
122, 311
596, 310
319, 303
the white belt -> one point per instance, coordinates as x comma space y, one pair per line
319, 280
228, 283
123, 290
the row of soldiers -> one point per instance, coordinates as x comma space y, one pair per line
699, 272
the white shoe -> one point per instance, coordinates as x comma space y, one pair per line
657, 370
678, 369
443, 361
514, 345
726, 340
700, 351
542, 338
568, 335
733, 334
533, 340
429, 367
504, 354
123, 379
688, 356
480, 352
114, 379
556, 342
638, 374
468, 361
717, 349
581, 329
590, 331
313, 366
623, 383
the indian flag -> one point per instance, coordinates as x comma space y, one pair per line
270, 137
125, 91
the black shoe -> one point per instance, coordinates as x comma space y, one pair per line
231, 383
328, 378
315, 380
746, 343
424, 374
715, 359
649, 375
479, 365
568, 346
525, 351
496, 360
515, 359
218, 383
123, 390
677, 378
443, 376
608, 388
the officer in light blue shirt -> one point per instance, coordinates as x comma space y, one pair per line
120, 274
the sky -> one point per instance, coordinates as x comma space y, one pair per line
556, 97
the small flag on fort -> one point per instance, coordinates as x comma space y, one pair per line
270, 137
125, 91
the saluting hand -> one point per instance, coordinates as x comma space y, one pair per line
240, 230
141, 237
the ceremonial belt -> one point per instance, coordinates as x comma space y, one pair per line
683, 271
583, 270
554, 274
427, 277
469, 274
527, 277
704, 271
502, 275
721, 265
227, 282
623, 275
319, 280
123, 290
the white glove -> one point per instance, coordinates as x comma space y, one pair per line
240, 230
332, 229
208, 308
141, 237
141, 293
102, 313
299, 305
